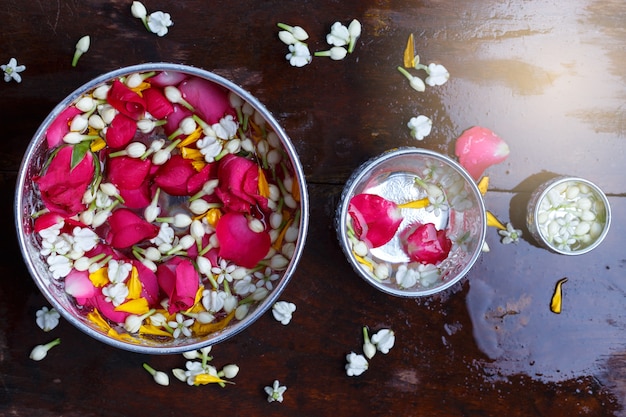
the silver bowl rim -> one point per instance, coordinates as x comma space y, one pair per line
210, 339
341, 218
549, 185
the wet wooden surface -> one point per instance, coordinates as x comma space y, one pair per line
546, 75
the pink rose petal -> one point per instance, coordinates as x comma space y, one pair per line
374, 218
479, 148
128, 229
60, 126
125, 100
180, 281
238, 243
172, 177
425, 244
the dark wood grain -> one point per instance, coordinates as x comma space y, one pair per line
547, 76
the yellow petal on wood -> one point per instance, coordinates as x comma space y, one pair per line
494, 222
416, 204
409, 52
557, 297
203, 379
483, 184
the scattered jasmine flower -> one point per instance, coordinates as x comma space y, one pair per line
275, 392
40, 351
437, 75
369, 349
298, 33
47, 319
336, 53
357, 364
415, 82
160, 377
12, 70
384, 340
82, 46
339, 35
510, 235
229, 371
420, 126
159, 22
283, 311
138, 10
354, 28
299, 55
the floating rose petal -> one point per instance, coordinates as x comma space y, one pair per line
47, 220
478, 148
180, 281
62, 187
165, 78
128, 173
156, 103
78, 285
425, 244
127, 229
60, 126
121, 131
150, 286
375, 219
238, 243
172, 177
125, 100
137, 198
107, 309
210, 100
174, 119
197, 181
238, 186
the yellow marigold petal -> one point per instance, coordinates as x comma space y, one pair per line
363, 261
153, 330
99, 278
279, 239
203, 379
138, 306
264, 188
143, 86
494, 222
557, 297
416, 204
409, 52
191, 138
200, 329
213, 215
134, 285
121, 336
97, 145
295, 190
483, 184
198, 165
191, 153
96, 318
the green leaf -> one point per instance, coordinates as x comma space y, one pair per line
79, 152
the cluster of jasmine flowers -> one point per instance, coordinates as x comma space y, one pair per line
436, 75
198, 370
155, 22
382, 341
341, 39
63, 250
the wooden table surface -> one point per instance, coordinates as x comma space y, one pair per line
545, 75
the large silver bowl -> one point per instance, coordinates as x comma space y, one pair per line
28, 202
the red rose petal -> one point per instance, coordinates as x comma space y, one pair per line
60, 126
125, 100
238, 243
126, 172
121, 131
374, 218
425, 244
238, 186
128, 229
208, 99
156, 103
180, 281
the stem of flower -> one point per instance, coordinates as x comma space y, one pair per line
405, 73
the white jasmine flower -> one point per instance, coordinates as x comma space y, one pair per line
339, 35
160, 377
52, 232
511, 235
369, 349
415, 82
357, 364
283, 311
165, 235
296, 31
437, 75
181, 326
223, 271
12, 70
118, 271
138, 10
84, 238
226, 128
229, 371
59, 246
59, 266
159, 22
82, 46
210, 147
428, 274
213, 301
354, 29
244, 286
336, 53
266, 277
420, 126
41, 351
406, 277
384, 340
47, 319
275, 392
115, 293
299, 55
